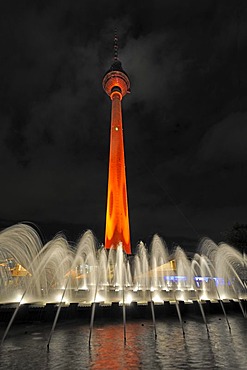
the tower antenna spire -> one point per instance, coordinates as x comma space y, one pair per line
115, 46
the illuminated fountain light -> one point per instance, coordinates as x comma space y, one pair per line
60, 298
83, 287
157, 299
99, 298
19, 298
127, 300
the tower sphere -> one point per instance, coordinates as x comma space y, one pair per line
116, 79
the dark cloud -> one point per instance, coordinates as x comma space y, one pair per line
224, 143
184, 119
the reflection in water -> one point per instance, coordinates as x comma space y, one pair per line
25, 348
109, 351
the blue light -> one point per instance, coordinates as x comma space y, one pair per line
198, 279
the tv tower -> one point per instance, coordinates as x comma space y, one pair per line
116, 84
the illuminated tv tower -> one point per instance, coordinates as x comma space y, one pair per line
116, 84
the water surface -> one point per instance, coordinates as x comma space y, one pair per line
25, 346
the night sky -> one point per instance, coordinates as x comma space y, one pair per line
185, 121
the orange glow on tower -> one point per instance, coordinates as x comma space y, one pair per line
116, 84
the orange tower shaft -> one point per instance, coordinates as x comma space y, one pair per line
116, 84
117, 218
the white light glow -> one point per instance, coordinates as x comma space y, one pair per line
204, 297
59, 297
83, 287
99, 298
157, 299
18, 298
128, 299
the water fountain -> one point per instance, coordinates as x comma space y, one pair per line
86, 274
32, 272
